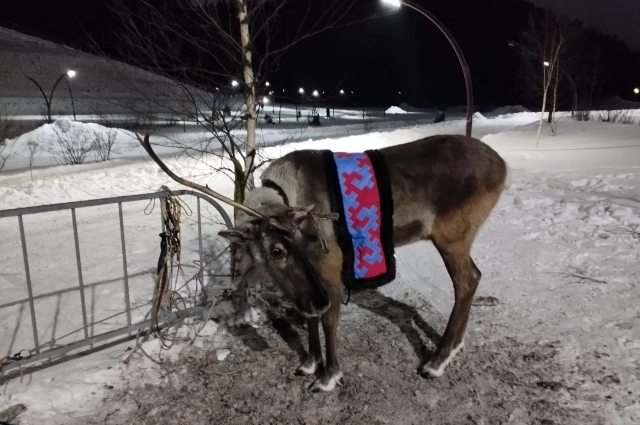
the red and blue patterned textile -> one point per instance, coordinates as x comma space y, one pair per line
361, 195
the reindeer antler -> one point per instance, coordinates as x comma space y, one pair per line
298, 214
314, 217
204, 189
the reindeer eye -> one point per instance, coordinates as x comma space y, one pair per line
277, 252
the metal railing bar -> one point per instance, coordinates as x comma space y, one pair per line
80, 280
28, 277
59, 351
75, 288
201, 254
124, 265
107, 201
39, 352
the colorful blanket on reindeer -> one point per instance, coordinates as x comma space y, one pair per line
360, 193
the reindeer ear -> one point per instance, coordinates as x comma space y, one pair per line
234, 235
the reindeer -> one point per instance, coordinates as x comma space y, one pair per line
443, 189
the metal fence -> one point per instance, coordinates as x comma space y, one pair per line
38, 352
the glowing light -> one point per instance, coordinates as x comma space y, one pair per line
265, 100
546, 63
393, 3
301, 91
267, 84
234, 83
341, 91
71, 73
636, 90
315, 93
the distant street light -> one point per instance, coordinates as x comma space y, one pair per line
341, 91
393, 3
267, 84
636, 90
546, 63
463, 62
301, 90
265, 99
315, 93
47, 100
234, 83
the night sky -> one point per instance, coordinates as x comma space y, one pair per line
617, 17
403, 52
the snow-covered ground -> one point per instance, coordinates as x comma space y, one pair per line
553, 336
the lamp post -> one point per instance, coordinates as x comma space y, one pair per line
636, 91
301, 91
463, 62
47, 100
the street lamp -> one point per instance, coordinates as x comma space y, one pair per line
463, 62
301, 90
546, 63
393, 3
341, 91
315, 93
234, 83
48, 100
267, 84
636, 90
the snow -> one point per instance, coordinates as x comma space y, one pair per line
478, 118
559, 254
222, 354
509, 109
395, 110
45, 141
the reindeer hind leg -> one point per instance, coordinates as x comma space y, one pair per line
453, 236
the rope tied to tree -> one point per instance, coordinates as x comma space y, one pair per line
170, 245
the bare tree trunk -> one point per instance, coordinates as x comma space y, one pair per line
249, 95
555, 100
544, 104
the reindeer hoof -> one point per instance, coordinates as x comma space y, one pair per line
429, 373
327, 384
307, 368
435, 367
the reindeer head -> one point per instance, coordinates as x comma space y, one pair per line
283, 243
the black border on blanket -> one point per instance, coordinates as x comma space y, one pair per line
340, 226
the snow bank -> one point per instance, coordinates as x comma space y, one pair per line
396, 110
45, 142
616, 102
505, 110
478, 117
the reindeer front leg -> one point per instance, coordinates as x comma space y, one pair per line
330, 375
314, 355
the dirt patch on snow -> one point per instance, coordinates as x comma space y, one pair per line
495, 380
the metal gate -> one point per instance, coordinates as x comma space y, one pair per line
40, 352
